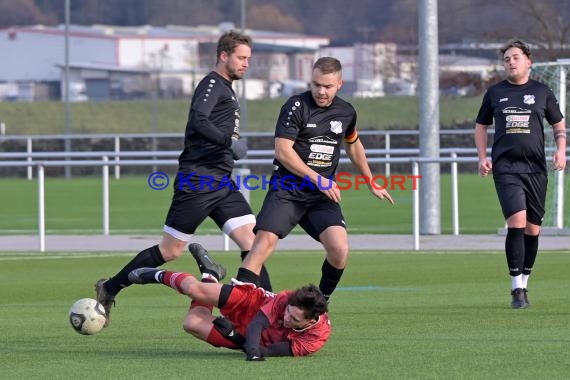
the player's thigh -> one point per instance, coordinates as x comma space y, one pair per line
280, 213
535, 185
232, 211
189, 209
510, 191
321, 215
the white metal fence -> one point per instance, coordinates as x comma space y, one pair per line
118, 158
105, 163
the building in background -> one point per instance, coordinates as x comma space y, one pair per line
115, 62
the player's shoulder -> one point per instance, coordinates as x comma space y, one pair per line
340, 102
213, 81
533, 83
301, 99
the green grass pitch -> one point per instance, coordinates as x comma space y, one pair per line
75, 207
395, 316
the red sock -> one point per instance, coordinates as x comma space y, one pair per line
216, 339
174, 279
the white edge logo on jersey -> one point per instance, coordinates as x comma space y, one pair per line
503, 100
528, 99
322, 148
336, 127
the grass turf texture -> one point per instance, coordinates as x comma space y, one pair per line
395, 316
75, 206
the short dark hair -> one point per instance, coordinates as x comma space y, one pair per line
328, 65
516, 44
230, 40
309, 299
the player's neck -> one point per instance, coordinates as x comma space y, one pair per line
223, 74
519, 81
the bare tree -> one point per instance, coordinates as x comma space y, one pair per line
269, 17
23, 12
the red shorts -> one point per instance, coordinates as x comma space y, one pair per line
243, 304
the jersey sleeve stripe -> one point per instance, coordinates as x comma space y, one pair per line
352, 138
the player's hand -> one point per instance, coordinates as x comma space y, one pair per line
382, 194
329, 188
485, 167
238, 148
253, 355
559, 160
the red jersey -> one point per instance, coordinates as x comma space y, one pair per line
246, 301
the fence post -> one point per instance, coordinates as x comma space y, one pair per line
559, 175
29, 151
454, 196
41, 209
416, 207
387, 147
105, 196
117, 159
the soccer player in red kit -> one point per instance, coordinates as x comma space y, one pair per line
262, 323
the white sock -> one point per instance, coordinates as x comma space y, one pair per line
209, 277
516, 282
525, 280
158, 276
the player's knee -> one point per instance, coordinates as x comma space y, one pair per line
172, 252
337, 256
191, 325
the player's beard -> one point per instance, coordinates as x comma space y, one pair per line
233, 74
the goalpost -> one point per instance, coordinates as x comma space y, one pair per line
555, 75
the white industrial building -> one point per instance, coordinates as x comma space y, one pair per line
113, 62
116, 62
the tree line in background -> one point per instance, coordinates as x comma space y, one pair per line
544, 22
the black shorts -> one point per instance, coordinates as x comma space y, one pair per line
522, 191
282, 211
225, 205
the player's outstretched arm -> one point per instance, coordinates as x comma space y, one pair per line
357, 155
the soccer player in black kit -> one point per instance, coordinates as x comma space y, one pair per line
308, 137
518, 106
211, 145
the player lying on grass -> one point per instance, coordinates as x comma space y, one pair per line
261, 323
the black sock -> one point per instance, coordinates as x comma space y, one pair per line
264, 280
245, 275
514, 248
530, 252
150, 257
329, 279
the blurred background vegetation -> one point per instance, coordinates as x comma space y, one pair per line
43, 118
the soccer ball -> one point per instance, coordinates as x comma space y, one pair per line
87, 316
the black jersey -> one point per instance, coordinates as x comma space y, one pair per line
213, 120
317, 132
519, 111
